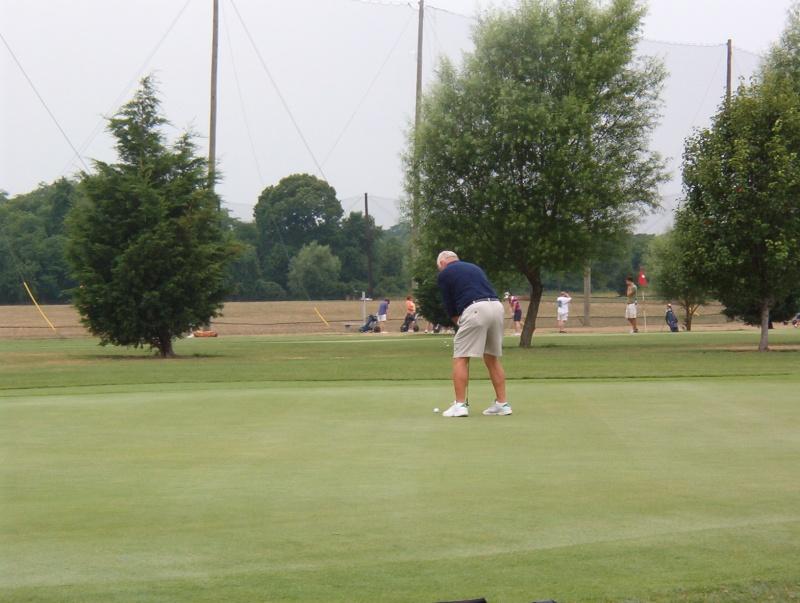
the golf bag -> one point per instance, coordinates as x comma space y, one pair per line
410, 323
370, 325
672, 320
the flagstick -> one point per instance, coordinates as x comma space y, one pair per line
644, 309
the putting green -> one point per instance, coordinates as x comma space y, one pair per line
141, 488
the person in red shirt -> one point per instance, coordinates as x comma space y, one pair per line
516, 310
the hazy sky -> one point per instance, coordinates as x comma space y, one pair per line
318, 86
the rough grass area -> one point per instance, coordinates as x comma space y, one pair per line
78, 362
635, 468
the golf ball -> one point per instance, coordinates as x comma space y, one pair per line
435, 410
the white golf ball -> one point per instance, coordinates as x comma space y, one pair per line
435, 410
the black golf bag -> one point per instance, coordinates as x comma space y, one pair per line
370, 325
410, 323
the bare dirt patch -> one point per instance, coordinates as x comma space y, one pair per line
301, 317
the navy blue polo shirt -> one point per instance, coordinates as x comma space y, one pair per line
461, 283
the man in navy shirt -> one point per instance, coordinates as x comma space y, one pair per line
472, 304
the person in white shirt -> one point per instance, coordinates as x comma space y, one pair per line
562, 310
630, 308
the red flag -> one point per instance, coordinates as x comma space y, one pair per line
642, 278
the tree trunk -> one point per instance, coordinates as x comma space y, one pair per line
763, 345
535, 279
687, 322
164, 345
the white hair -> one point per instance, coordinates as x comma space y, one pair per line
445, 257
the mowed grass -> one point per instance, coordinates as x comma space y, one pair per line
635, 468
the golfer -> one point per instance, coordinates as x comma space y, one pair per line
383, 314
516, 310
630, 307
473, 305
562, 311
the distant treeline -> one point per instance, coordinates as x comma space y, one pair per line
299, 246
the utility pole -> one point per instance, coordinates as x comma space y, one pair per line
730, 71
587, 295
415, 200
419, 61
369, 245
212, 133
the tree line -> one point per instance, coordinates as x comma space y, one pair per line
292, 249
299, 246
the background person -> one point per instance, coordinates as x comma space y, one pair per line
383, 314
516, 311
562, 311
411, 307
472, 303
630, 308
410, 321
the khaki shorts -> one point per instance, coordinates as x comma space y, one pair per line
630, 311
480, 330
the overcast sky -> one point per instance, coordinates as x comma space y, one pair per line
317, 86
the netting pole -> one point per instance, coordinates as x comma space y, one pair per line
33, 299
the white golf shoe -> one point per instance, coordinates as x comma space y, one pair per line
457, 409
498, 410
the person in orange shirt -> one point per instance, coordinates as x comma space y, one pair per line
411, 316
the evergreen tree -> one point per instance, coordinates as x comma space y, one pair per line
146, 245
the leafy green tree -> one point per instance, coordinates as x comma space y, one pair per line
298, 210
782, 310
147, 244
427, 293
784, 59
244, 232
741, 214
32, 244
537, 149
314, 272
613, 262
270, 291
671, 277
243, 275
352, 248
243, 278
393, 261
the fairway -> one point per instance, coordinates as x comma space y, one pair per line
651, 468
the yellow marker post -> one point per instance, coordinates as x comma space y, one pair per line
33, 299
321, 317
